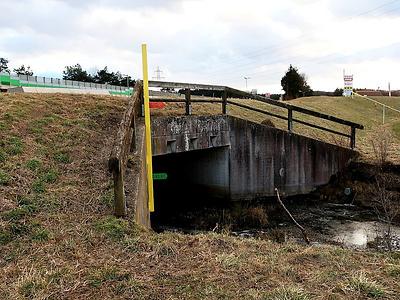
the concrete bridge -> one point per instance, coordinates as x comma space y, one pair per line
220, 156
236, 159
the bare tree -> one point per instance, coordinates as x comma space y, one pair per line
386, 204
381, 141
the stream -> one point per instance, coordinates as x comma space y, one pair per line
325, 223
328, 223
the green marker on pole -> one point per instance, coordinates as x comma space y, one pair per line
160, 176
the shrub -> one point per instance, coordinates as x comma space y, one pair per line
381, 142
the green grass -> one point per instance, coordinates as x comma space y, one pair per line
113, 227
38, 186
40, 235
3, 156
13, 145
62, 157
34, 164
361, 284
49, 176
287, 293
20, 212
396, 129
107, 274
4, 178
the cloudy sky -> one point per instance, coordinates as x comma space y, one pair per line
210, 41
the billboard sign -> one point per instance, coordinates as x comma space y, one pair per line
348, 85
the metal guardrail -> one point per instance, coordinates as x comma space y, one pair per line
232, 93
39, 81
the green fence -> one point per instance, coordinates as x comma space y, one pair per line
44, 82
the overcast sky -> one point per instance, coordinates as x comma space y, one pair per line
210, 41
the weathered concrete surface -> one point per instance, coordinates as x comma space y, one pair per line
255, 158
181, 134
263, 158
136, 181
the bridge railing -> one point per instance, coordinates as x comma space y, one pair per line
225, 98
124, 144
15, 80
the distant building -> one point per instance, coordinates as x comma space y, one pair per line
372, 92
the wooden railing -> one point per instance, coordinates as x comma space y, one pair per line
227, 93
124, 144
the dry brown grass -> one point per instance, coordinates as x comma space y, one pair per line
58, 241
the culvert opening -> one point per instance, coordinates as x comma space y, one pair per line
189, 186
191, 191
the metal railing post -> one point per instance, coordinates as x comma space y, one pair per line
353, 137
224, 101
290, 120
188, 105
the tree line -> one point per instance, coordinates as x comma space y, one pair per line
103, 76
22, 70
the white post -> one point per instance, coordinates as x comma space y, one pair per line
383, 114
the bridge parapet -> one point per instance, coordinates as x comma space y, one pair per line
181, 134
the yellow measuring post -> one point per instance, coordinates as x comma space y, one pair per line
149, 161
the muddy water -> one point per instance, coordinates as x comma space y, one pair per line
365, 234
346, 225
325, 223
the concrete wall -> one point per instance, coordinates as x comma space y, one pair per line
181, 134
263, 158
136, 181
256, 158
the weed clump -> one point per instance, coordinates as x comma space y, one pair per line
62, 157
41, 235
14, 145
38, 186
107, 274
113, 227
287, 293
50, 176
34, 164
4, 178
359, 283
3, 156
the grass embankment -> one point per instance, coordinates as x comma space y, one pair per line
354, 109
58, 240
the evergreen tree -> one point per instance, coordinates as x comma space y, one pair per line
76, 73
295, 84
22, 70
4, 65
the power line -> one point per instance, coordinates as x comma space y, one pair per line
328, 58
280, 46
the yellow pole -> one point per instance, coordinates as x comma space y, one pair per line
147, 128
